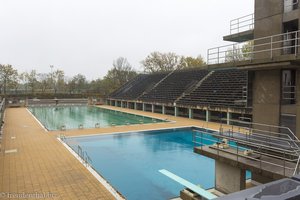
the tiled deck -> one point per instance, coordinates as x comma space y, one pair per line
41, 164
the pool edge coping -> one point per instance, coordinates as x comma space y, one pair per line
36, 119
141, 130
116, 194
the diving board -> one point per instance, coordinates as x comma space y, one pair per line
191, 186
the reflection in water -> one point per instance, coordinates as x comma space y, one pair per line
53, 118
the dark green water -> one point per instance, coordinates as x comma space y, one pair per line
53, 118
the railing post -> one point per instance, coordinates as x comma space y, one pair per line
201, 140
296, 43
206, 57
238, 24
283, 163
237, 152
297, 167
271, 47
260, 158
79, 151
194, 138
218, 55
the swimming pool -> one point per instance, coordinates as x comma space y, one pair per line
74, 117
130, 161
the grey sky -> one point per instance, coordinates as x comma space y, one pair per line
85, 36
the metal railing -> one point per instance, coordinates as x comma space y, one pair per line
241, 24
289, 92
260, 48
290, 5
238, 146
283, 137
2, 108
84, 156
279, 133
80, 152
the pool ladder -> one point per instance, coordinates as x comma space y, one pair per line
80, 152
84, 156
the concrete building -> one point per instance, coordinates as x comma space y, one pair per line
271, 55
266, 45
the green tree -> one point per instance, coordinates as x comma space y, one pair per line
156, 62
96, 86
239, 53
191, 62
77, 83
8, 77
247, 50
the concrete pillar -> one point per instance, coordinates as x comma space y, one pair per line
163, 110
128, 104
261, 179
176, 111
229, 179
266, 98
207, 115
121, 104
191, 113
144, 107
152, 109
298, 104
135, 106
228, 118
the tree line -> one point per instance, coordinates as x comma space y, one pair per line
54, 82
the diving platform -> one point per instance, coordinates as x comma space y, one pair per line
200, 191
273, 168
241, 29
240, 37
269, 157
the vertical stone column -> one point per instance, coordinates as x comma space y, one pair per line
207, 115
135, 106
228, 118
163, 110
191, 113
229, 179
176, 111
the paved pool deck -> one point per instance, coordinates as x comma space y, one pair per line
33, 162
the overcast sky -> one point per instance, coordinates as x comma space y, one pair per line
85, 36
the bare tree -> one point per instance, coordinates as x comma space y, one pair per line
118, 75
32, 81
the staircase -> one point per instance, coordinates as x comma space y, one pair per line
190, 89
154, 86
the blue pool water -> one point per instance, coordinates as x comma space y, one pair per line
130, 162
